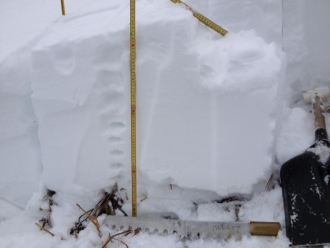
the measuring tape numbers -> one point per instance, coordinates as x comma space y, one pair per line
133, 107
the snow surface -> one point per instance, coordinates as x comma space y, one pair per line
90, 105
216, 115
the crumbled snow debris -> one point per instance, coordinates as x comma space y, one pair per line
312, 187
293, 218
269, 207
295, 215
322, 151
318, 192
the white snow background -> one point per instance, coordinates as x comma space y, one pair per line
216, 115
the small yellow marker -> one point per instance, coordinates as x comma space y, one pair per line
63, 7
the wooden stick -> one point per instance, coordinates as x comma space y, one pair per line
44, 229
113, 236
121, 242
63, 7
91, 218
270, 180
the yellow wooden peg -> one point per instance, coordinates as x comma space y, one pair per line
63, 7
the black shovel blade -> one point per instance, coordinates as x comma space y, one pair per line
306, 200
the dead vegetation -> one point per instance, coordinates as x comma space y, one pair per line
108, 205
45, 221
44, 229
112, 202
124, 233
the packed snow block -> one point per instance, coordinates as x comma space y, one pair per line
81, 98
206, 104
207, 109
83, 129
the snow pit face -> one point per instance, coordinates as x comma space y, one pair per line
80, 97
206, 105
19, 147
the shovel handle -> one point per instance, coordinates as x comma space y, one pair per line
318, 112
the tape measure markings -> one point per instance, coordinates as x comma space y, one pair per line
203, 19
133, 108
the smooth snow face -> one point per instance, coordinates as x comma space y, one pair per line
194, 106
305, 39
20, 164
317, 24
206, 104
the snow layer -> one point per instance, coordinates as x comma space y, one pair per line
47, 23
195, 90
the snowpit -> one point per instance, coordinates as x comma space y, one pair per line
210, 125
206, 104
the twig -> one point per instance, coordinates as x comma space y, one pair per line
121, 242
44, 229
107, 205
137, 231
126, 196
270, 180
44, 221
327, 109
113, 236
100, 207
228, 235
49, 194
89, 211
237, 209
91, 218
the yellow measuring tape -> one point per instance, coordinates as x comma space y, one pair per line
203, 19
133, 107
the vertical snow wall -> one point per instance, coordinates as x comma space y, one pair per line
207, 105
20, 152
20, 163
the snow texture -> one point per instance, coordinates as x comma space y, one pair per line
193, 91
215, 115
